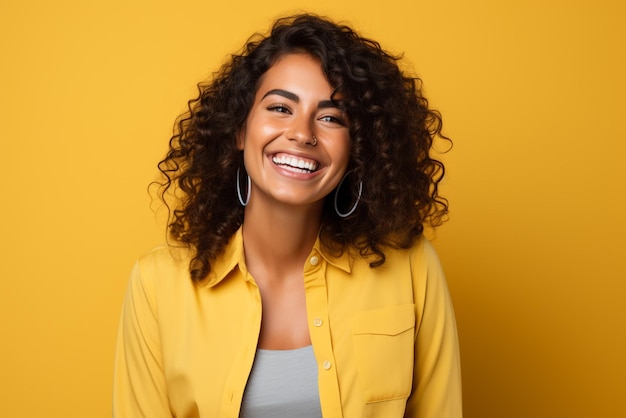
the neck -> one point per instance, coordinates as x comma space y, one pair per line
278, 239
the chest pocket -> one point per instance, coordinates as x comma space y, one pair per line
384, 350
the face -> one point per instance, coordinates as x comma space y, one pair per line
293, 106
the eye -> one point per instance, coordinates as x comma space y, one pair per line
279, 107
333, 119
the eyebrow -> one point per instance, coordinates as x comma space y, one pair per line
286, 94
324, 104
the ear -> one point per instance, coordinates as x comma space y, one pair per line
240, 139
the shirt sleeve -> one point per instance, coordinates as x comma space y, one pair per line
437, 376
139, 386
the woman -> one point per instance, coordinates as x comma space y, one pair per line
301, 284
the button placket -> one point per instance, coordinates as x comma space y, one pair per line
317, 309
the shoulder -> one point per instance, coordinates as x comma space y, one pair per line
164, 256
420, 256
418, 267
426, 267
423, 255
406, 271
161, 269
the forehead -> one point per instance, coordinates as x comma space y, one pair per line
298, 70
295, 59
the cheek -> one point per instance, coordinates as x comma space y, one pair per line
259, 130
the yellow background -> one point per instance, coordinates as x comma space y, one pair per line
533, 93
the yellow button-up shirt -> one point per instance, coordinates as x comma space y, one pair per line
384, 338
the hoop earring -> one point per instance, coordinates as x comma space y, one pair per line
351, 211
243, 203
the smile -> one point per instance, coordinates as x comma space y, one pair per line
295, 164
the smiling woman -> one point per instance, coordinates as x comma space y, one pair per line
296, 141
299, 283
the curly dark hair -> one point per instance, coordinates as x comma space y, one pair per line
392, 131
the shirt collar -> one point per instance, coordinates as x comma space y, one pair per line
234, 257
343, 262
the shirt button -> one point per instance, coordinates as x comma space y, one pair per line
326, 365
317, 322
314, 261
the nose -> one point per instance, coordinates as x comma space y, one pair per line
301, 131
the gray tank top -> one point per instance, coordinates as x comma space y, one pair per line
282, 384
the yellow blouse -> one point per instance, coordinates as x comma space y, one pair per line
384, 338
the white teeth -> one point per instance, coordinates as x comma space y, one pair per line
295, 162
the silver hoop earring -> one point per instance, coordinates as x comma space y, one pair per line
351, 211
314, 141
243, 203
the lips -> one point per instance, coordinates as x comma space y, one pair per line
295, 164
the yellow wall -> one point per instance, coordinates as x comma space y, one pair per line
533, 93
